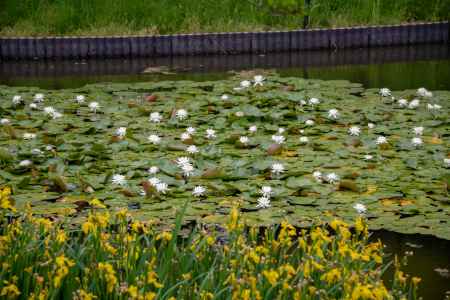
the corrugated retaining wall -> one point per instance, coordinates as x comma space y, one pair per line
222, 43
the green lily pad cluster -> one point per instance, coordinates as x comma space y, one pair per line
74, 156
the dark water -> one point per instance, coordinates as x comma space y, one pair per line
429, 253
397, 68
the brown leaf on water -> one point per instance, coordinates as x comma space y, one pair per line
128, 193
435, 141
387, 202
405, 202
148, 188
396, 201
289, 153
151, 98
274, 149
348, 185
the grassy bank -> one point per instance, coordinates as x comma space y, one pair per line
114, 257
104, 17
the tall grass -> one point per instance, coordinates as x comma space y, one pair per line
114, 257
56, 17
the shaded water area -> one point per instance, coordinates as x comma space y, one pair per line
396, 68
430, 257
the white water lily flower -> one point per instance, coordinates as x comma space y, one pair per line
266, 191
49, 110
314, 101
403, 103
447, 162
17, 100
370, 125
29, 136
190, 130
162, 187
385, 92
199, 191
309, 122
38, 97
155, 117
304, 139
239, 114
57, 115
414, 104
94, 106
187, 169
368, 157
245, 84
434, 106
224, 97
253, 129
317, 175
281, 130
25, 163
119, 179
192, 149
360, 208
354, 130
4, 121
277, 168
279, 139
333, 114
154, 139
33, 106
423, 92
244, 140
332, 178
121, 132
418, 130
381, 140
181, 161
154, 181
263, 202
153, 170
302, 102
416, 141
181, 114
80, 99
258, 80
36, 151
210, 133
185, 136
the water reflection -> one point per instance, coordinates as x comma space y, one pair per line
429, 254
396, 67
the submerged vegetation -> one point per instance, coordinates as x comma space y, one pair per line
282, 148
104, 17
110, 256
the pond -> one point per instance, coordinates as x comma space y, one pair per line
84, 152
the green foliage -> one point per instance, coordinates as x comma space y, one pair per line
41, 17
403, 187
115, 257
286, 6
